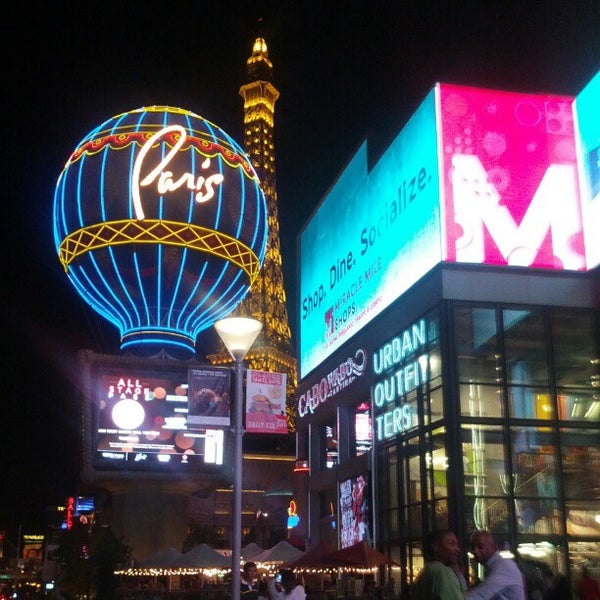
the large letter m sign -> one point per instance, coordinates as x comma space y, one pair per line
549, 233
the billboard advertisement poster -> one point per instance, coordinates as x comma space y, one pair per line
373, 236
32, 547
209, 395
476, 176
265, 402
510, 187
141, 421
355, 510
588, 128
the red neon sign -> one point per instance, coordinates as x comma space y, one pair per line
70, 512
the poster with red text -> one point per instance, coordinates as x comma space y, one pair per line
355, 510
265, 402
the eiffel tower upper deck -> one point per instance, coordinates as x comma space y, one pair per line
266, 300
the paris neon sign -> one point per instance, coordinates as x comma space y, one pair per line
161, 226
204, 187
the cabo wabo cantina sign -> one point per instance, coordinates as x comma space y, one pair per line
334, 382
160, 224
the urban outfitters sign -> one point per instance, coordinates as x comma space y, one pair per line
400, 367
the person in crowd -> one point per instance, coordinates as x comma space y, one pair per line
248, 587
370, 590
276, 591
294, 590
537, 575
588, 587
389, 590
502, 578
559, 589
462, 580
263, 589
206, 591
438, 580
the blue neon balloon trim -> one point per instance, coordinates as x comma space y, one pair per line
121, 295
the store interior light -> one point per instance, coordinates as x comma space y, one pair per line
593, 411
577, 409
301, 466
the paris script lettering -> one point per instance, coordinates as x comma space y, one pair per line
164, 179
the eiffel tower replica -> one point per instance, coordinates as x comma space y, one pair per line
272, 351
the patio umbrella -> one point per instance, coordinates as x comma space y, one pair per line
164, 559
251, 550
279, 553
204, 557
315, 558
362, 555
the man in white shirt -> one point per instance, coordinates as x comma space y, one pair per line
503, 580
276, 591
293, 589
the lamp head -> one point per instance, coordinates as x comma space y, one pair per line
238, 334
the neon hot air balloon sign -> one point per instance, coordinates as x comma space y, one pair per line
160, 224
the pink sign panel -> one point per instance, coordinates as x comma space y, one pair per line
509, 188
265, 402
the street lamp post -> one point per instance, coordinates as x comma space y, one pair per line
238, 335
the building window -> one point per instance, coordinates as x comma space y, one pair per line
486, 477
525, 347
363, 428
577, 368
327, 517
480, 400
436, 467
525, 383
581, 479
530, 403
331, 444
535, 481
547, 371
411, 510
389, 497
477, 345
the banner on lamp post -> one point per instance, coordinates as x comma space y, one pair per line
209, 397
265, 402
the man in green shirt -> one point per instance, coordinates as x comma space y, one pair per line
437, 580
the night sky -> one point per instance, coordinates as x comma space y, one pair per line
346, 70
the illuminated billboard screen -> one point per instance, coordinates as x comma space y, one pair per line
476, 176
510, 189
141, 422
588, 128
374, 235
355, 510
32, 548
84, 505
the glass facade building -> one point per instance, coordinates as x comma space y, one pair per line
483, 386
